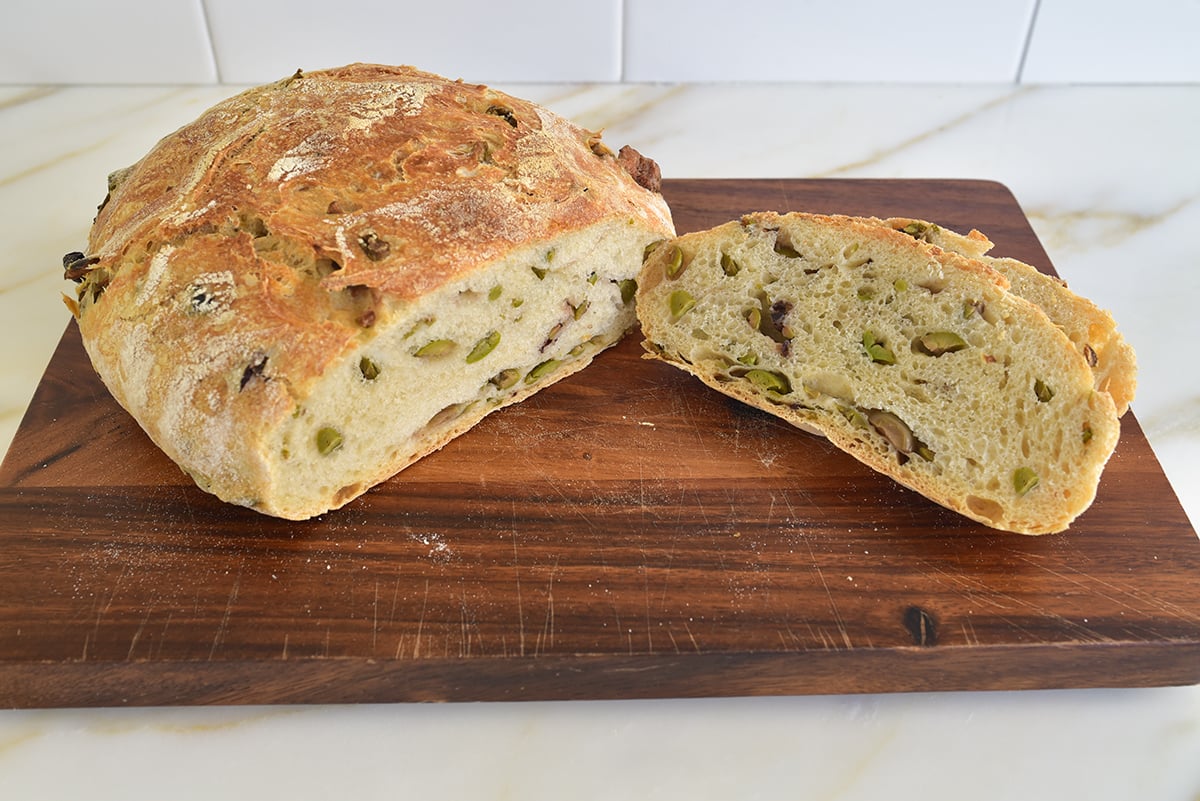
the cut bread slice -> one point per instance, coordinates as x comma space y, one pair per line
916, 360
1090, 327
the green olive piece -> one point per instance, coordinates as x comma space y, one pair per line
893, 429
628, 289
540, 272
729, 266
1043, 392
674, 262
1087, 432
581, 309
784, 249
483, 347
434, 348
653, 246
769, 381
750, 359
495, 292
1024, 479
853, 416
542, 370
878, 352
505, 378
681, 302
328, 440
368, 368
937, 343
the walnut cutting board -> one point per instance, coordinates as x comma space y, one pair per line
625, 533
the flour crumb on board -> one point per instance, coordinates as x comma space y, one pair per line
439, 550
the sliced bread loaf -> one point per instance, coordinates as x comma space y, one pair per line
916, 360
321, 280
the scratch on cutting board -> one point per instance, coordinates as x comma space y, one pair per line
94, 635
837, 615
137, 635
421, 622
691, 637
395, 596
375, 619
968, 630
219, 637
547, 634
646, 601
468, 625
162, 637
517, 578
993, 599
1165, 606
666, 579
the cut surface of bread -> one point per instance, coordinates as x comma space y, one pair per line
1090, 327
917, 361
320, 281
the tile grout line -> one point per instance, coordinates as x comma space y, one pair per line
212, 42
1037, 5
622, 22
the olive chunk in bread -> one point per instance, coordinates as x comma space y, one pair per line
916, 360
321, 280
1091, 328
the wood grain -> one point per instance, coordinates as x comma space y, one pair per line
625, 533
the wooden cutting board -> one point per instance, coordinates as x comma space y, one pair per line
625, 533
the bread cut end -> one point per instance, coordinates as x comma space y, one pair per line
442, 364
918, 362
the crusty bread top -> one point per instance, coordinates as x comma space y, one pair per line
309, 210
250, 251
328, 156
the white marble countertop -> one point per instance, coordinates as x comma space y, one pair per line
1109, 177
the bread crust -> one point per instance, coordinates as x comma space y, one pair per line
251, 249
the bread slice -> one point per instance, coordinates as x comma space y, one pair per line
916, 360
1091, 328
321, 280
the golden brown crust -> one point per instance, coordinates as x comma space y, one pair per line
254, 247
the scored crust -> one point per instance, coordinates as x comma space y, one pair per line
263, 246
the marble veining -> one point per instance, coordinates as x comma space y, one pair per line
1109, 179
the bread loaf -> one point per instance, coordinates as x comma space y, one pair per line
321, 280
916, 360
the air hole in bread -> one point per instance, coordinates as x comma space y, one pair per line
985, 508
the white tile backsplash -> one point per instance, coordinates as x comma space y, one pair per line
1106, 41
604, 41
112, 42
525, 40
810, 40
